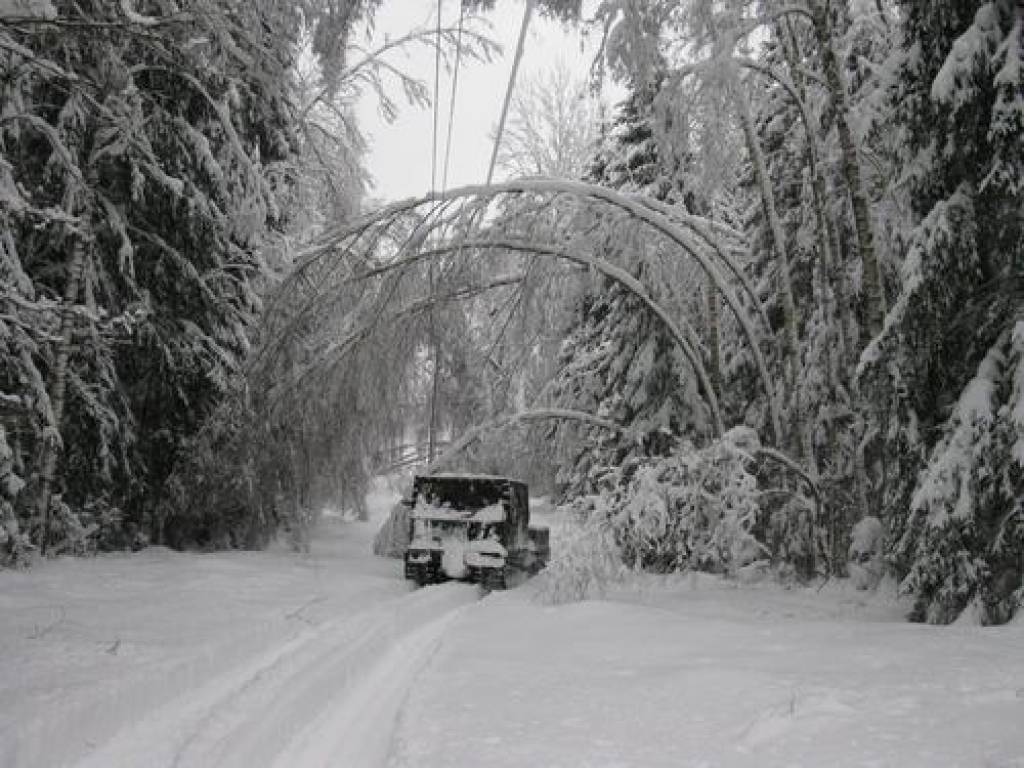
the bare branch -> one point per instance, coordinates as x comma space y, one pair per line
684, 336
539, 414
677, 231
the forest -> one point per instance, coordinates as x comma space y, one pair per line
765, 314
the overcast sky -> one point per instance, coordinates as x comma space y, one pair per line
400, 153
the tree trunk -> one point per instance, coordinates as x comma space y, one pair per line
714, 336
778, 238
872, 275
836, 306
435, 344
53, 442
785, 286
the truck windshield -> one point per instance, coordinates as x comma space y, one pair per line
461, 493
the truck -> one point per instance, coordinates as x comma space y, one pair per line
472, 528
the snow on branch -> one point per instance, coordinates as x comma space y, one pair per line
539, 414
369, 69
27, 9
948, 229
683, 334
135, 17
952, 84
223, 117
1017, 395
946, 486
968, 486
678, 230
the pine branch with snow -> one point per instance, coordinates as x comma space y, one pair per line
961, 540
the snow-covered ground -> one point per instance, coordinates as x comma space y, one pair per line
231, 659
329, 659
700, 673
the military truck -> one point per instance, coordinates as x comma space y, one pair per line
473, 528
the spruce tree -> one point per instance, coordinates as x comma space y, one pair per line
946, 371
140, 179
618, 360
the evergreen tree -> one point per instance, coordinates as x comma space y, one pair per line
619, 361
946, 370
139, 176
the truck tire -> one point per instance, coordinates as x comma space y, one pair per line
420, 576
494, 578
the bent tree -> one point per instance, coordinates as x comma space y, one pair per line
376, 257
347, 337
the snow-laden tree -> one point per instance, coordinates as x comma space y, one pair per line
141, 149
962, 538
619, 364
618, 360
14, 544
799, 124
245, 457
693, 508
799, 85
945, 373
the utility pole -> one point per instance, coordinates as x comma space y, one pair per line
511, 87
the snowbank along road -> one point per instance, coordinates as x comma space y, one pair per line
284, 660
325, 698
233, 660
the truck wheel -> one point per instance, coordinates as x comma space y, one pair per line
494, 578
420, 576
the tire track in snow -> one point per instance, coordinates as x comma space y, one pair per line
358, 730
328, 697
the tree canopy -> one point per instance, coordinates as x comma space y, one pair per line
775, 301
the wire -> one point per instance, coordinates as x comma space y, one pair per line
437, 101
455, 90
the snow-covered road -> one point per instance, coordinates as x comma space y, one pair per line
233, 660
327, 697
286, 660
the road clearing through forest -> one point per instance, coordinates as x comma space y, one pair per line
284, 659
327, 697
176, 660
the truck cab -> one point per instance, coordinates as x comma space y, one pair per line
473, 528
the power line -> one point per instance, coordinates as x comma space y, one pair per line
455, 90
437, 100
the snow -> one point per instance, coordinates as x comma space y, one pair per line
486, 553
331, 659
42, 9
954, 463
470, 476
701, 673
427, 544
973, 47
231, 659
867, 553
943, 231
1017, 396
495, 513
453, 558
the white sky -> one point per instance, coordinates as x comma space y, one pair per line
400, 153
